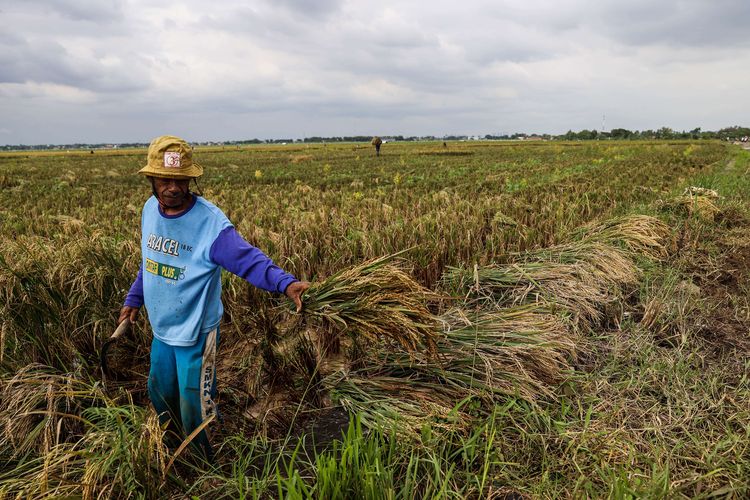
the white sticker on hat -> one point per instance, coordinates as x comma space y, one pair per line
172, 159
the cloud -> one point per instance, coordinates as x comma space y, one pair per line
288, 67
97, 11
686, 23
46, 61
306, 9
81, 44
46, 91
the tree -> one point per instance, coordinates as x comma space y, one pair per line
586, 135
665, 133
620, 133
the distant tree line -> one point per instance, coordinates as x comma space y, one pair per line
77, 145
516, 136
727, 133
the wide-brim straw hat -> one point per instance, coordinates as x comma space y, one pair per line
172, 157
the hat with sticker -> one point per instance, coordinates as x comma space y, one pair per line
172, 157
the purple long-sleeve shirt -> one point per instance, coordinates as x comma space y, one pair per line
233, 253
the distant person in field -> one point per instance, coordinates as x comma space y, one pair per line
377, 142
185, 242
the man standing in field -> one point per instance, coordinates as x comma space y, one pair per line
377, 142
185, 242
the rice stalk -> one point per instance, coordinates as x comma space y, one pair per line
580, 281
62, 436
394, 403
482, 356
121, 454
523, 351
377, 301
36, 404
670, 311
640, 234
585, 279
57, 297
701, 206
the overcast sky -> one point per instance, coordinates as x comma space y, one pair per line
121, 70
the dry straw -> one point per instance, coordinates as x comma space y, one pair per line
586, 279
67, 438
483, 356
638, 234
511, 335
375, 301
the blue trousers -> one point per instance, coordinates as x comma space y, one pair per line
182, 386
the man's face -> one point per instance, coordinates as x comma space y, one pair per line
173, 193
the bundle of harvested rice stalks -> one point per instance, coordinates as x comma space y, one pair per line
482, 356
699, 205
395, 403
639, 234
596, 262
378, 301
588, 278
346, 320
581, 279
521, 351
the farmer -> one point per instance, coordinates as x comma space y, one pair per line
185, 241
377, 142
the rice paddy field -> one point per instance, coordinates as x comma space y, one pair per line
486, 320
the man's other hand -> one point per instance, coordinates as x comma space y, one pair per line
295, 290
128, 312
